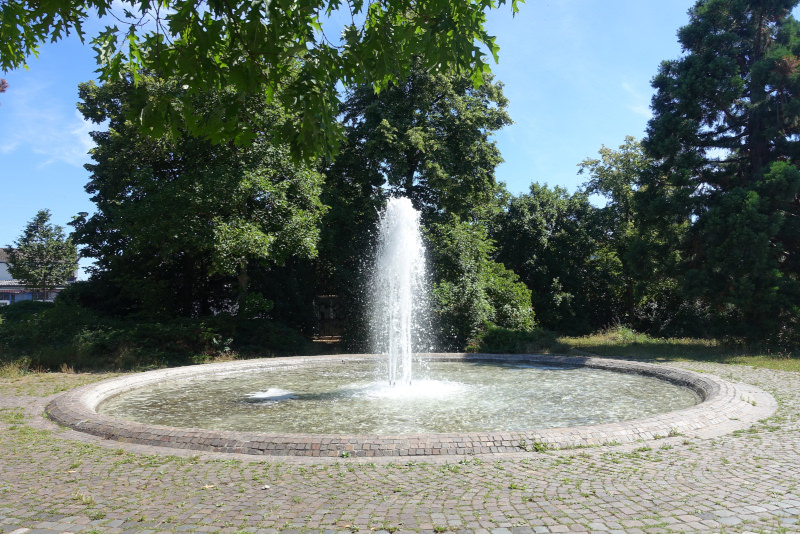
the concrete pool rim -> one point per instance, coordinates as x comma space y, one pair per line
725, 407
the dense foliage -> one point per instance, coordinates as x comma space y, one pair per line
428, 138
726, 138
638, 255
254, 48
181, 222
470, 291
72, 333
547, 237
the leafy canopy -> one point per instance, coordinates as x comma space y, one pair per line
429, 138
177, 218
256, 47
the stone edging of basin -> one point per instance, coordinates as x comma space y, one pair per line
725, 407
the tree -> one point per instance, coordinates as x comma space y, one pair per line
428, 138
254, 48
471, 291
181, 222
726, 136
638, 256
617, 176
549, 238
43, 257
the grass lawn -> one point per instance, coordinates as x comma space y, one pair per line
624, 342
621, 342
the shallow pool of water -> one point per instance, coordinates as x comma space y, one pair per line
348, 398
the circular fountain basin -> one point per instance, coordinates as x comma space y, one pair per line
467, 404
349, 397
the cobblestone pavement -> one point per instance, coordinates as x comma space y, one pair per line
57, 480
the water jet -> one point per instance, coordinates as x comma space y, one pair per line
399, 289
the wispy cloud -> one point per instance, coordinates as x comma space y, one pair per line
8, 146
37, 123
639, 103
71, 145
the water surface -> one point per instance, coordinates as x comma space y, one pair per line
346, 398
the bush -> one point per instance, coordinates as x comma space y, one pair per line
267, 338
499, 340
472, 290
22, 311
50, 335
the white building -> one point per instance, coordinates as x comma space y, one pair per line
4, 274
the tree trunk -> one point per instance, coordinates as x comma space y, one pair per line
244, 281
187, 288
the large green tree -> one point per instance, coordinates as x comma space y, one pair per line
43, 257
254, 48
551, 240
634, 252
181, 222
726, 136
428, 138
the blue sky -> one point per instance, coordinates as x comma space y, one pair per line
577, 74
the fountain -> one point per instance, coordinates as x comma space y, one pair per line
466, 403
399, 289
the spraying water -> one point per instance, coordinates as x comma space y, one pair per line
399, 288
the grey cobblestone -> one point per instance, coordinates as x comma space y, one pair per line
55, 479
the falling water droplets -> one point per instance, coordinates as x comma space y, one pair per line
400, 292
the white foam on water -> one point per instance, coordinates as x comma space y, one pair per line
272, 394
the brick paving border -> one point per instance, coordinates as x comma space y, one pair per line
725, 407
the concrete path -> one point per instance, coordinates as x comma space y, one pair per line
57, 480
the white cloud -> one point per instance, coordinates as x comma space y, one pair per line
638, 102
8, 147
37, 123
71, 145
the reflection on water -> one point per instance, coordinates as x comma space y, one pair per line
346, 398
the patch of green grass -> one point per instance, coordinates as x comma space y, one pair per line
12, 416
88, 500
626, 343
42, 383
534, 446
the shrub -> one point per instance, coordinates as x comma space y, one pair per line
50, 336
499, 340
22, 311
472, 290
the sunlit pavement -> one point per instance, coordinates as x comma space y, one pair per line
58, 480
